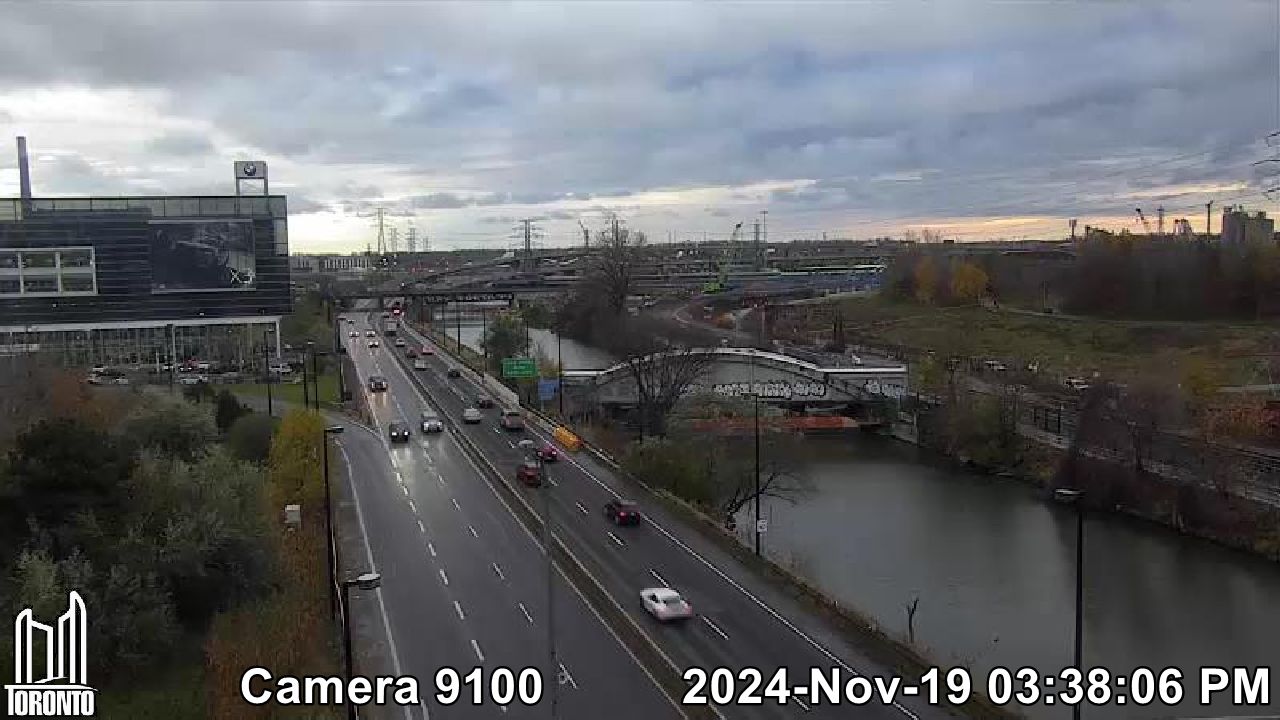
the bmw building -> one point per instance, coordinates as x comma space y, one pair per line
144, 282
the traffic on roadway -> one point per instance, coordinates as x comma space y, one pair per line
474, 588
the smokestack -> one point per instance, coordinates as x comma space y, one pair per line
24, 172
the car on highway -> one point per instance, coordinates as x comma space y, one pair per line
471, 415
665, 604
398, 432
512, 420
400, 342
370, 333
431, 422
377, 383
427, 351
622, 512
528, 473
373, 344
484, 402
353, 333
411, 353
193, 379
454, 372
419, 364
548, 453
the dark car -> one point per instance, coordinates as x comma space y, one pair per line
622, 512
484, 402
398, 431
548, 453
411, 353
377, 383
454, 372
528, 473
512, 420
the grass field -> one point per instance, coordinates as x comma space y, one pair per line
1069, 345
291, 392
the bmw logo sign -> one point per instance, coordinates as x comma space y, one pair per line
250, 169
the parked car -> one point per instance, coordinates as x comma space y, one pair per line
622, 512
665, 604
471, 416
419, 364
398, 431
431, 422
548, 453
512, 420
454, 372
484, 401
377, 383
528, 473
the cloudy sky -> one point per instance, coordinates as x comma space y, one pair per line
976, 119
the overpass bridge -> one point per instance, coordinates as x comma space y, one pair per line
745, 372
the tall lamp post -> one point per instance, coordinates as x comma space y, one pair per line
1075, 497
306, 383
364, 581
332, 545
553, 665
560, 376
266, 367
755, 410
315, 375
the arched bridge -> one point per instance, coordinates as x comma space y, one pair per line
744, 372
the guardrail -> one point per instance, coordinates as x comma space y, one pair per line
664, 671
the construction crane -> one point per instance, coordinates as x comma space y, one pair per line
722, 274
1145, 225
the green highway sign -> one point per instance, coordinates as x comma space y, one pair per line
519, 368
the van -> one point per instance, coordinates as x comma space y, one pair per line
512, 420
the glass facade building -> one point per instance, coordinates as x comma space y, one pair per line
135, 281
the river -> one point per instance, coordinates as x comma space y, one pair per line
993, 566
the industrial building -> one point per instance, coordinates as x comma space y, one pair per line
1241, 228
144, 282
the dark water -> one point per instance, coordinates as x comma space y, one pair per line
994, 568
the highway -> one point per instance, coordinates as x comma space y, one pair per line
740, 621
464, 584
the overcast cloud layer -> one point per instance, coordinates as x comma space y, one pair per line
979, 119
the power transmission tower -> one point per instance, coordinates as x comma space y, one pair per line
527, 231
413, 239
382, 237
393, 240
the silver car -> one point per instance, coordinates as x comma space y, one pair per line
471, 415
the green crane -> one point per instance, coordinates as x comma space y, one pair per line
722, 275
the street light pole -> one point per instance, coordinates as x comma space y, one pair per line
366, 581
266, 362
315, 376
306, 384
457, 323
484, 337
560, 376
331, 545
755, 407
553, 665
1075, 497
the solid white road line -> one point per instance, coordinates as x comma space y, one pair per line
565, 673
581, 507
712, 625
368, 552
476, 646
659, 578
615, 538
457, 606
527, 616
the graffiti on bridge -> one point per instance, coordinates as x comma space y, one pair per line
772, 390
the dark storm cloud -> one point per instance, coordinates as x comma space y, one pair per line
997, 108
180, 144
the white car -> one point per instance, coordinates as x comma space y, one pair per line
400, 342
419, 364
665, 604
471, 415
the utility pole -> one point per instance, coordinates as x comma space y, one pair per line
761, 253
755, 407
755, 242
1208, 219
382, 236
1160, 221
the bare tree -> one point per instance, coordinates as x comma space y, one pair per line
612, 267
661, 378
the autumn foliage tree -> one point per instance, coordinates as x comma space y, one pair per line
968, 283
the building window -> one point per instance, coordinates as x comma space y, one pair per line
39, 259
10, 286
39, 284
76, 258
77, 284
8, 260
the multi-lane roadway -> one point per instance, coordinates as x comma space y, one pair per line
465, 582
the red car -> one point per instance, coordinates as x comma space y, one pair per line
427, 351
528, 474
549, 453
622, 512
